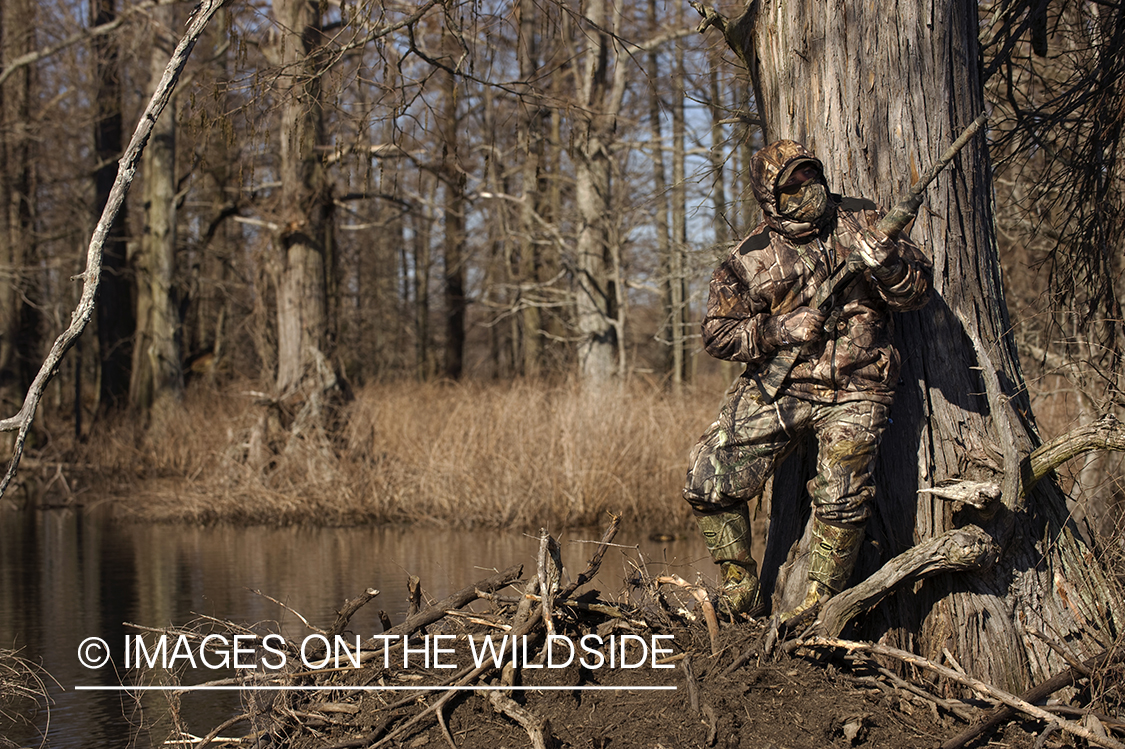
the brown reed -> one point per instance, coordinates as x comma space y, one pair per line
513, 455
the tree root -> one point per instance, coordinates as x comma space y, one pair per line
538, 729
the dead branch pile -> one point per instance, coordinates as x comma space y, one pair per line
375, 698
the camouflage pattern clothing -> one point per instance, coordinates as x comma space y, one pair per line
778, 268
842, 384
731, 463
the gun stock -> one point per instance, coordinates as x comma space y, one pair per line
772, 375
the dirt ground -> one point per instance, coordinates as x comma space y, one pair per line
735, 698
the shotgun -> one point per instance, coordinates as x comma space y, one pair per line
770, 377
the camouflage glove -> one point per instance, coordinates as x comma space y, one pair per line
877, 250
800, 326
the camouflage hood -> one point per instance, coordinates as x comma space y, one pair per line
769, 168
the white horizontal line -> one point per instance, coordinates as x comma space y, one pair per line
278, 688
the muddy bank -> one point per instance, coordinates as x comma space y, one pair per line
488, 668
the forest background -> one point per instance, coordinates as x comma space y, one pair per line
445, 262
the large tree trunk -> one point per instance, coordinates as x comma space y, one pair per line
157, 376
302, 319
116, 323
19, 333
601, 88
453, 241
530, 140
877, 101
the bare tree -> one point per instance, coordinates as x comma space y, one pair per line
116, 316
157, 375
19, 334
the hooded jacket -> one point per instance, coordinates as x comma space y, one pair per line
779, 267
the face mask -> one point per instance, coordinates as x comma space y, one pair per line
808, 202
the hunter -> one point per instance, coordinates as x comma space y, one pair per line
840, 387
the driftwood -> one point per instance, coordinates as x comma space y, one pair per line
461, 598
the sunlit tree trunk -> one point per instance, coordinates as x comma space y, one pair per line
677, 277
877, 101
301, 244
601, 87
157, 374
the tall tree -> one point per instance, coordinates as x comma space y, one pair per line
157, 374
453, 179
301, 244
601, 88
115, 311
872, 99
18, 315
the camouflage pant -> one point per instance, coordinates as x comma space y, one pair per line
738, 453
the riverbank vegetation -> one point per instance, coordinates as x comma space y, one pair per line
23, 690
513, 455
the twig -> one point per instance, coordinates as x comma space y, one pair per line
294, 612
206, 740
1035, 694
957, 708
595, 562
445, 729
975, 684
700, 595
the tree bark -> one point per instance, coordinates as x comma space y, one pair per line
116, 320
19, 334
157, 374
661, 225
877, 102
302, 317
453, 178
601, 87
677, 279
530, 139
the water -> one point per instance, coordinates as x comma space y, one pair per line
66, 575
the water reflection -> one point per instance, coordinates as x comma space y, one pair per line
66, 576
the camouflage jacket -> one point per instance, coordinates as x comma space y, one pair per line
771, 272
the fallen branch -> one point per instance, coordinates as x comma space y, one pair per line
1007, 698
457, 600
538, 729
1037, 693
345, 614
700, 595
960, 549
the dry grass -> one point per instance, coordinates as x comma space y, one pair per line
513, 455
23, 690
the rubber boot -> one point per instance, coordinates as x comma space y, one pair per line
727, 535
832, 556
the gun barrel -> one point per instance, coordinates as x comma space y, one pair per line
898, 217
